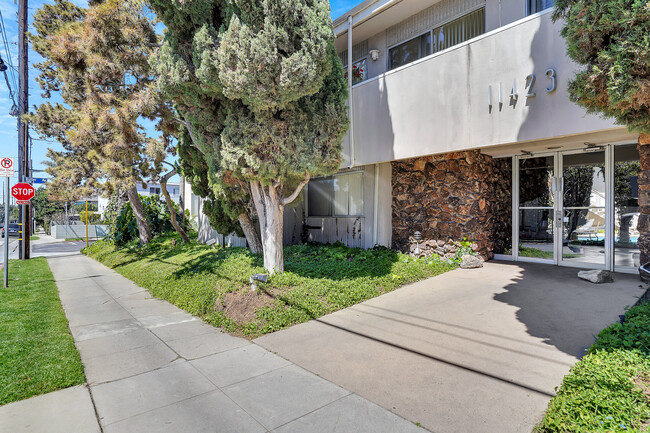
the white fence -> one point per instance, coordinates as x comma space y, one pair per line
77, 230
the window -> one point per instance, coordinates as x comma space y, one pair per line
154, 190
340, 195
410, 51
359, 71
535, 6
194, 205
458, 31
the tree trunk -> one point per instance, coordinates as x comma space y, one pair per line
644, 199
172, 211
251, 233
138, 210
270, 210
181, 203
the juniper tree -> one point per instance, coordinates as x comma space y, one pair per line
261, 91
97, 60
226, 204
610, 39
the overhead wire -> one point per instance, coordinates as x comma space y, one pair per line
9, 66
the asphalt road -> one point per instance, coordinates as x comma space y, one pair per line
13, 249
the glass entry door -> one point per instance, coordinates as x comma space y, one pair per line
583, 210
562, 208
536, 193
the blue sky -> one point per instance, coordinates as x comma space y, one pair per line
8, 127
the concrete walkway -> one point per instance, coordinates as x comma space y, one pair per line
154, 368
468, 351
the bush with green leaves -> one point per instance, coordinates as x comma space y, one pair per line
125, 228
609, 389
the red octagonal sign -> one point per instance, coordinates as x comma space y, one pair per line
22, 191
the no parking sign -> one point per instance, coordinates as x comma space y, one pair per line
7, 167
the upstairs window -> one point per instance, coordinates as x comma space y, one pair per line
458, 31
340, 195
535, 6
410, 51
154, 190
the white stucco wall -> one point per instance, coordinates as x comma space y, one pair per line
439, 104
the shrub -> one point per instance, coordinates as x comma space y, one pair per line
125, 228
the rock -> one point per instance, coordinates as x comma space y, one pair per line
471, 262
596, 276
440, 251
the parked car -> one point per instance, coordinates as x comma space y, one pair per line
13, 229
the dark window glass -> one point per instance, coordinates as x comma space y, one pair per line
410, 51
535, 6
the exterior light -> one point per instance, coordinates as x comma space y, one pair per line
418, 237
374, 55
255, 278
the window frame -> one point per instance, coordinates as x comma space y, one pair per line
388, 57
332, 214
529, 9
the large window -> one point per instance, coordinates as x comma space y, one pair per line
340, 195
458, 31
535, 6
410, 51
453, 33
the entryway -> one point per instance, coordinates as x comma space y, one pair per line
577, 208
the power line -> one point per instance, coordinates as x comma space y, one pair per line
5, 40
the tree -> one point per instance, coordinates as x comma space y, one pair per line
610, 39
262, 94
44, 208
227, 208
97, 59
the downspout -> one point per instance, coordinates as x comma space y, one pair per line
376, 205
350, 108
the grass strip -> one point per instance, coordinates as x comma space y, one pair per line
37, 352
609, 389
213, 283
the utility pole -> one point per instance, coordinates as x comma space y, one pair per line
23, 145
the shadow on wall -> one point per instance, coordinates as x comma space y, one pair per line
564, 311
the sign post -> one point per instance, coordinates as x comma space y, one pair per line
23, 193
6, 171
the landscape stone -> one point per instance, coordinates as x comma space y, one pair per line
597, 276
471, 262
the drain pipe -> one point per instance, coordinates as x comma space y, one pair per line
350, 107
376, 205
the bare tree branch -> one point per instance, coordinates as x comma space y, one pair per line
299, 188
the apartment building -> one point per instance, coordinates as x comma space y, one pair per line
462, 127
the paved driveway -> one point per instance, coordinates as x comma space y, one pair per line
468, 351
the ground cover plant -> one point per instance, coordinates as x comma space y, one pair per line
213, 282
609, 389
37, 352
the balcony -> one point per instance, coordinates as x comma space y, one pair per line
495, 92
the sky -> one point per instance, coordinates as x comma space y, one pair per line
8, 125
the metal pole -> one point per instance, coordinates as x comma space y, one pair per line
23, 108
86, 223
6, 245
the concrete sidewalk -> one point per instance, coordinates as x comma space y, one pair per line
467, 351
154, 368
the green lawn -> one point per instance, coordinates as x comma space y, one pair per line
214, 283
34, 238
37, 352
609, 389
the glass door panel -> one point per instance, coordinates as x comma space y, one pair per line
536, 207
626, 206
583, 208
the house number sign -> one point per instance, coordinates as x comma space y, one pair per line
530, 83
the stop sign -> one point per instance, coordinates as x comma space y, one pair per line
22, 191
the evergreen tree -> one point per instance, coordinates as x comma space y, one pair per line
97, 59
262, 94
610, 39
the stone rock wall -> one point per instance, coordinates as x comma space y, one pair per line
453, 196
